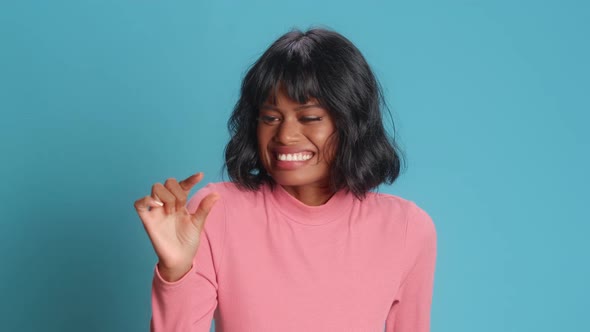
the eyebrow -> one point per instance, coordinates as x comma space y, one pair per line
267, 106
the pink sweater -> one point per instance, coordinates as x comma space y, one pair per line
268, 262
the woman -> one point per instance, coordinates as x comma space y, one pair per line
297, 241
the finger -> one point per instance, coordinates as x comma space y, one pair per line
188, 183
161, 193
200, 215
145, 204
174, 187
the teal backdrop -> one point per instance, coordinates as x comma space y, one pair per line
101, 99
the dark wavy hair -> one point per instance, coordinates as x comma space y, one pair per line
321, 64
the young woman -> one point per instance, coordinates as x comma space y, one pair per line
297, 241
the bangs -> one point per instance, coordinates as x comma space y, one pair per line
297, 84
289, 71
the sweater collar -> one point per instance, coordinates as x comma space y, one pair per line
339, 204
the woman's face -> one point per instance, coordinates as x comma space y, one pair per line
293, 142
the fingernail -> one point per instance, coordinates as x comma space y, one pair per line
159, 203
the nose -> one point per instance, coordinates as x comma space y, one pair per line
287, 132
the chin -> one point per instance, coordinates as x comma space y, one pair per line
292, 180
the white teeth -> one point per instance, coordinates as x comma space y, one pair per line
294, 157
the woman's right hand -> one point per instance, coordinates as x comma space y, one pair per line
173, 231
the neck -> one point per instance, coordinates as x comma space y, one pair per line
310, 195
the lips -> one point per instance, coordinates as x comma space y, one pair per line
289, 150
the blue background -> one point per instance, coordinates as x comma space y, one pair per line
101, 99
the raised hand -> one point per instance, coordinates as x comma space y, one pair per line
173, 231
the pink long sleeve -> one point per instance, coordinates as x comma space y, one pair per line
189, 303
269, 263
411, 310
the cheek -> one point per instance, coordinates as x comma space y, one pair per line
325, 140
330, 148
262, 137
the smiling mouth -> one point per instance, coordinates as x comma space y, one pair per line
302, 156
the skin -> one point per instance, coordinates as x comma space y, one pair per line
174, 232
292, 125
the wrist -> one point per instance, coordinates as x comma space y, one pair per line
173, 274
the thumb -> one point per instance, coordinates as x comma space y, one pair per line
198, 218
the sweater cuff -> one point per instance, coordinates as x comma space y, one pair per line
167, 284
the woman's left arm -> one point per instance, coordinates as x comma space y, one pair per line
411, 309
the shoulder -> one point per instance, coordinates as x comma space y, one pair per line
385, 200
418, 223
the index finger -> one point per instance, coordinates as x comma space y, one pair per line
189, 182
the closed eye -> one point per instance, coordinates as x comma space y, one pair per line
311, 119
268, 119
